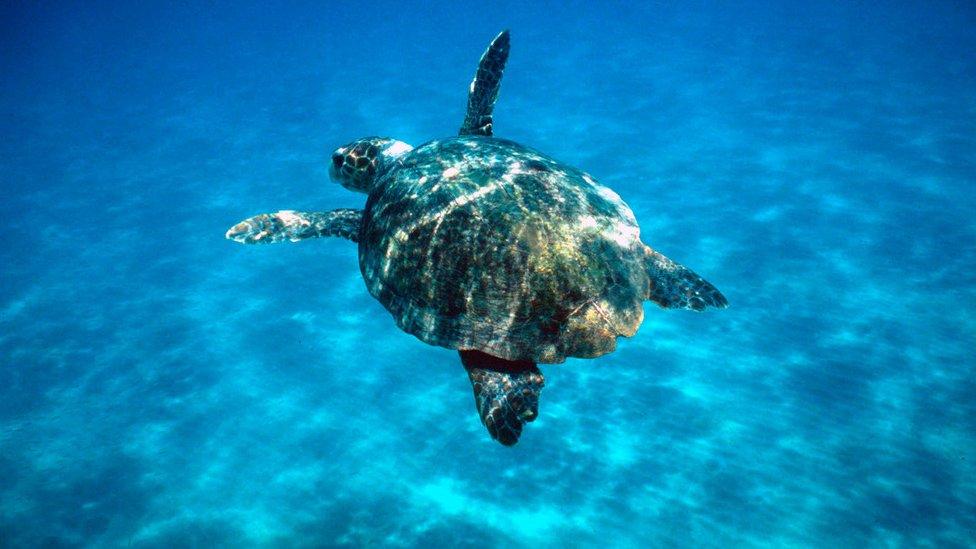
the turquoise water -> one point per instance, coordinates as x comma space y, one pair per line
161, 386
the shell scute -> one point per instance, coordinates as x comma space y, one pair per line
480, 243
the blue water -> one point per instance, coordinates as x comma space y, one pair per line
161, 386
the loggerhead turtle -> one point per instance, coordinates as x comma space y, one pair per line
482, 245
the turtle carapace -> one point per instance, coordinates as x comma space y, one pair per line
486, 246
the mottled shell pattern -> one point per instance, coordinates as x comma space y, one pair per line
481, 243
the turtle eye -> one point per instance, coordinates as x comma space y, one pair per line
337, 160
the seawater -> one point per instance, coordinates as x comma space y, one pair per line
161, 386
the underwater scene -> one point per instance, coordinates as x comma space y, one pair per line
164, 386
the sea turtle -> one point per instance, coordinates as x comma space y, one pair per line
482, 245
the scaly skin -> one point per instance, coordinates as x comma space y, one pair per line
289, 225
484, 88
506, 393
485, 246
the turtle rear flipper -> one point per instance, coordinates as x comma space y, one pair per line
674, 286
484, 88
506, 393
295, 226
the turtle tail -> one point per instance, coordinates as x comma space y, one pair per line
506, 393
674, 286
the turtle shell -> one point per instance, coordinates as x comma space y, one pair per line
481, 243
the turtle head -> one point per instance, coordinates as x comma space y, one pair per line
356, 165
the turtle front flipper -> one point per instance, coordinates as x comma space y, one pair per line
506, 393
294, 226
484, 88
674, 286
